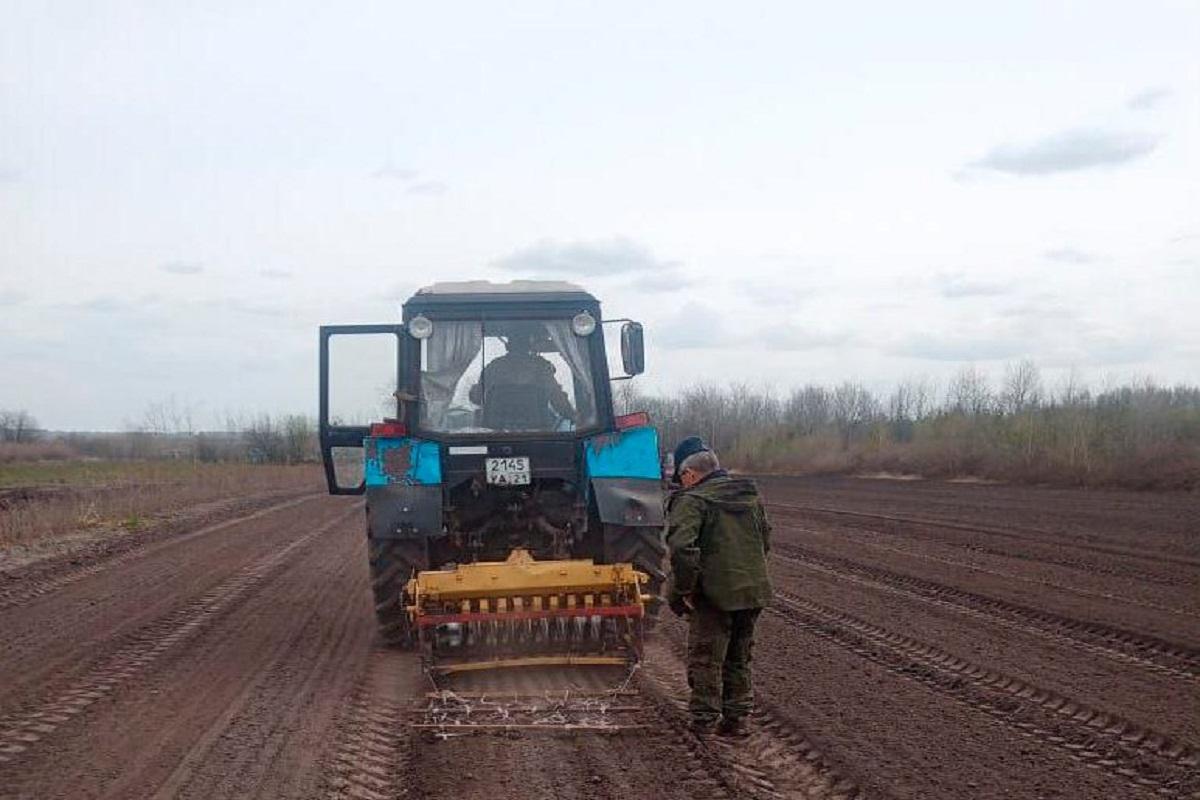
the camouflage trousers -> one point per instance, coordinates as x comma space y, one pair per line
719, 644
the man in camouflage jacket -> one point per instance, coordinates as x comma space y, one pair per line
718, 538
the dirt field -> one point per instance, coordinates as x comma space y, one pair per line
929, 640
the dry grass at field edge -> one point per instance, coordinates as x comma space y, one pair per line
48, 499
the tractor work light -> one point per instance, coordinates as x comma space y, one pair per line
420, 327
584, 324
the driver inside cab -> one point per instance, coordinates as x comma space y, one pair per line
516, 389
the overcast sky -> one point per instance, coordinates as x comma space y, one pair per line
781, 192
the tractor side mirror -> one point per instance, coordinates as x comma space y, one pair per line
633, 349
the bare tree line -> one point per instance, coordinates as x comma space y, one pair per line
18, 427
166, 429
1138, 434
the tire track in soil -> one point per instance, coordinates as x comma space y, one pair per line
1129, 648
776, 760
262, 744
372, 752
896, 529
1012, 576
22, 732
1098, 739
1037, 536
66, 574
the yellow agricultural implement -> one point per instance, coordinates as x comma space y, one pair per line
522, 612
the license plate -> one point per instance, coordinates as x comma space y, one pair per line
508, 471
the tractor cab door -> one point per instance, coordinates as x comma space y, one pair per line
363, 381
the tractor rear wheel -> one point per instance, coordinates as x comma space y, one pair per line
646, 549
393, 563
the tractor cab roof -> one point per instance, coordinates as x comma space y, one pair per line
467, 295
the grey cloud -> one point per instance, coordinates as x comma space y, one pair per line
427, 188
693, 326
1069, 255
393, 173
959, 348
276, 274
1069, 151
788, 336
954, 285
1034, 313
106, 305
1106, 349
12, 297
597, 258
251, 309
1147, 99
766, 293
667, 281
182, 267
1043, 327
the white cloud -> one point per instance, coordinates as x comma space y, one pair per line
391, 172
427, 188
1147, 99
954, 285
1069, 255
182, 267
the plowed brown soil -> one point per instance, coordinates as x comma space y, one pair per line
929, 640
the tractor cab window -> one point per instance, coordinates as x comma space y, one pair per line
506, 376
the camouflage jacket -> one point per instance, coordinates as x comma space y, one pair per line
719, 537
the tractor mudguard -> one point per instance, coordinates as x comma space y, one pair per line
633, 502
625, 477
401, 511
404, 487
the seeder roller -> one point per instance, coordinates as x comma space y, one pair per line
523, 612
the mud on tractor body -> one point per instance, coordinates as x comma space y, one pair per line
512, 517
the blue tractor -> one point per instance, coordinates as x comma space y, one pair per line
512, 517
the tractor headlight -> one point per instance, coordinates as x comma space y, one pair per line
420, 327
584, 324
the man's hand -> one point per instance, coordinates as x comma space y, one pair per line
682, 605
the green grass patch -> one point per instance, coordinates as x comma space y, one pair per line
91, 473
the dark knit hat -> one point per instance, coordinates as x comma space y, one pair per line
688, 447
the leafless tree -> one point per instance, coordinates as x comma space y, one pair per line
854, 407
167, 416
808, 410
18, 426
1022, 387
264, 439
299, 439
970, 393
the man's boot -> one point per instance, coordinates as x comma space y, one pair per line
733, 727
